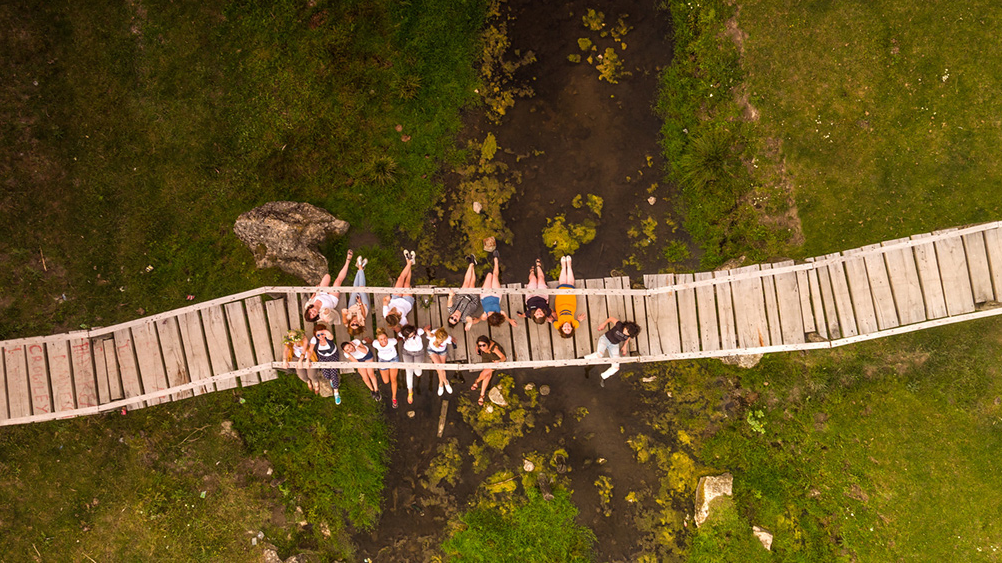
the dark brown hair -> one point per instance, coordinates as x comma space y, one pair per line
495, 319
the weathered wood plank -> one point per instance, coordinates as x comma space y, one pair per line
932, 286
128, 369
38, 379
18, 391
598, 310
771, 306
668, 320
649, 325
83, 372
624, 304
791, 318
563, 348
687, 319
149, 360
259, 330
195, 350
243, 346
829, 317
639, 317
993, 246
520, 334
278, 326
175, 365
860, 293
217, 342
101, 370
880, 287
725, 313
706, 309
843, 299
59, 374
4, 411
115, 387
955, 276
294, 311
977, 264
906, 286
806, 310
749, 310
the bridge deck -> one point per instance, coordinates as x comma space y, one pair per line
877, 290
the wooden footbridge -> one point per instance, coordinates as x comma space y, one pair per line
870, 292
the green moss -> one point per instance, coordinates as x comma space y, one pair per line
611, 67
593, 20
563, 238
604, 486
446, 464
584, 44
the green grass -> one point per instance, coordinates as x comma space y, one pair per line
164, 484
886, 111
153, 126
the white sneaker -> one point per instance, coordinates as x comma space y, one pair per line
609, 372
413, 258
365, 262
358, 262
448, 388
440, 389
407, 255
591, 356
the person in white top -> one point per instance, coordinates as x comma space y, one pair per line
297, 347
358, 351
413, 351
438, 349
386, 351
397, 305
321, 305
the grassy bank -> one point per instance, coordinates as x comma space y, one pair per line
171, 483
134, 135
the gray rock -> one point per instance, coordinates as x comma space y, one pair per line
763, 536
270, 555
285, 234
746, 361
709, 488
496, 397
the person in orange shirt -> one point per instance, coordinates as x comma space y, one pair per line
564, 306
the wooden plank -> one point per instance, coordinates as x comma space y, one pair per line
749, 310
977, 264
598, 310
150, 360
294, 311
906, 286
115, 388
880, 288
954, 274
828, 297
790, 301
668, 321
58, 354
639, 317
101, 371
18, 393
806, 311
85, 383
260, 336
624, 304
821, 307
860, 293
278, 326
932, 285
4, 410
38, 379
688, 323
771, 306
175, 365
993, 246
563, 348
520, 334
195, 351
725, 312
502, 334
217, 342
649, 323
706, 309
843, 299
243, 346
478, 330
128, 369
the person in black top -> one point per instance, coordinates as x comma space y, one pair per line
489, 351
614, 341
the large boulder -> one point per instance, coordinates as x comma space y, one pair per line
286, 234
709, 488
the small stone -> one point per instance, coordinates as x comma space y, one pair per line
399, 128
601, 461
528, 466
709, 488
410, 414
652, 200
496, 397
253, 541
763, 536
477, 207
489, 409
649, 379
531, 386
405, 138
544, 390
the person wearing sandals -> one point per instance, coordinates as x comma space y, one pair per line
354, 316
537, 307
614, 342
462, 307
489, 351
490, 300
322, 306
564, 306
438, 351
386, 351
298, 347
397, 305
323, 343
412, 352
359, 351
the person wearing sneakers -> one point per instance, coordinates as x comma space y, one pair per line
386, 351
438, 350
614, 341
564, 306
463, 307
489, 351
359, 351
321, 305
323, 343
397, 305
357, 312
490, 300
413, 352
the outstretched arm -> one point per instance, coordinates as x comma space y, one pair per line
606, 322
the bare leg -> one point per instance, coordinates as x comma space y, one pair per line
441, 372
404, 279
342, 274
496, 279
470, 280
369, 378
570, 272
393, 383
